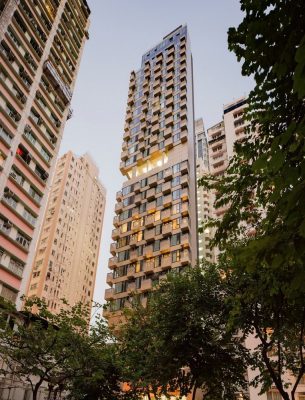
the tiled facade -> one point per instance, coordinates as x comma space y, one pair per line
41, 43
67, 253
205, 198
155, 227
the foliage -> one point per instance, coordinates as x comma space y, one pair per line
58, 350
262, 236
179, 342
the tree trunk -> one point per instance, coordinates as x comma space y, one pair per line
194, 392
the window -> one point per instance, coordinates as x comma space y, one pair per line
158, 229
176, 194
156, 246
144, 183
273, 395
175, 239
142, 207
176, 209
123, 255
157, 215
159, 188
176, 181
176, 168
176, 223
160, 175
159, 201
176, 256
120, 287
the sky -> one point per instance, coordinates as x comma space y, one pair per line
120, 33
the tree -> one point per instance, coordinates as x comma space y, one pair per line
56, 350
179, 342
264, 187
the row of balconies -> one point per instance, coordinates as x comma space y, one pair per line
167, 200
149, 267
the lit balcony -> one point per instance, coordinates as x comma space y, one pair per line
148, 266
166, 214
148, 251
109, 294
185, 194
115, 234
151, 206
185, 208
113, 248
150, 220
113, 261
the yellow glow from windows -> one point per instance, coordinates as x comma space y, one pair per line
155, 162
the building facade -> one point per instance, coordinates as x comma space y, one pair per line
221, 140
205, 198
156, 219
41, 44
66, 257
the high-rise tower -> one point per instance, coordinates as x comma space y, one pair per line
205, 198
156, 221
67, 252
41, 44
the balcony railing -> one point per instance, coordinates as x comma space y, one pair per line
63, 90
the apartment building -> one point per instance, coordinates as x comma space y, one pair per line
67, 253
221, 139
41, 44
205, 198
156, 219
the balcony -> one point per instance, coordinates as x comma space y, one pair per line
130, 272
148, 251
149, 235
146, 285
131, 287
185, 208
185, 226
113, 261
186, 240
167, 200
118, 207
166, 188
184, 167
167, 229
166, 261
113, 248
152, 181
109, 294
151, 206
185, 194
115, 234
150, 194
109, 278
116, 221
168, 133
150, 220
166, 214
185, 258
164, 246
62, 89
133, 256
148, 267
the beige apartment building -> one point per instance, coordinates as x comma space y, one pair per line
205, 198
156, 217
41, 44
67, 253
